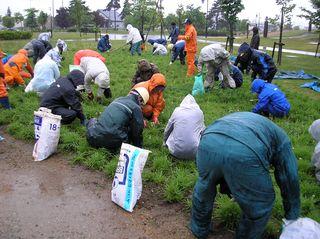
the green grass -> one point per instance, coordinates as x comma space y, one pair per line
177, 178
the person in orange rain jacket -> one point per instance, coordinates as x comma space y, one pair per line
14, 73
156, 103
79, 54
4, 100
190, 37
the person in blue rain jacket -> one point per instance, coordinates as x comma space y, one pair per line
239, 150
104, 44
174, 33
271, 100
178, 50
262, 64
235, 74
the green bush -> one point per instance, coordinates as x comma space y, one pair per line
14, 35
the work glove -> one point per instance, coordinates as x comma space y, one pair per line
90, 96
145, 123
155, 120
83, 121
170, 63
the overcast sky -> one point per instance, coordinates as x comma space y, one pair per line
253, 8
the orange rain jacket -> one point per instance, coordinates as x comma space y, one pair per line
79, 54
14, 68
156, 100
3, 90
190, 37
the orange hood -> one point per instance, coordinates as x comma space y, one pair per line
23, 51
156, 80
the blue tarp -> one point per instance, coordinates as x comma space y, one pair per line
312, 85
295, 75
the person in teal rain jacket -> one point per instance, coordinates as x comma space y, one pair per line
240, 149
271, 99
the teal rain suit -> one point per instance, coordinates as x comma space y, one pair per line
240, 148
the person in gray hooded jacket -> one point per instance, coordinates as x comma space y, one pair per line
183, 131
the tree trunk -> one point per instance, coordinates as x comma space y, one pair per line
231, 38
115, 20
310, 25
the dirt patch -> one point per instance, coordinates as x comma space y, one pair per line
53, 199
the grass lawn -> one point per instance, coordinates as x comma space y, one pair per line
175, 177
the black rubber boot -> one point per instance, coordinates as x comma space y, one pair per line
107, 93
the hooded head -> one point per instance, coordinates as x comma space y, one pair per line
257, 86
244, 54
255, 30
77, 78
155, 44
62, 46
143, 93
129, 27
314, 130
170, 46
187, 21
144, 65
189, 102
23, 51
157, 80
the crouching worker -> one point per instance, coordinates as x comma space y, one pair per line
95, 70
178, 50
46, 71
104, 44
183, 131
271, 100
62, 97
14, 73
4, 100
239, 149
87, 52
156, 103
235, 74
214, 56
159, 49
121, 122
145, 71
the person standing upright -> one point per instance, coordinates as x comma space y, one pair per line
174, 33
190, 37
255, 40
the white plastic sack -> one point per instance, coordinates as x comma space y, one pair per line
47, 133
127, 182
303, 228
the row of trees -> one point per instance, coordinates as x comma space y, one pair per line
32, 20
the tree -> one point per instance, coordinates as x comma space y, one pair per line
181, 15
8, 21
312, 16
18, 17
126, 11
62, 18
31, 20
98, 20
115, 5
79, 12
230, 9
8, 12
216, 18
42, 19
196, 16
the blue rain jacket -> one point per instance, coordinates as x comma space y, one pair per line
159, 41
261, 63
178, 50
174, 34
240, 149
270, 99
235, 74
104, 43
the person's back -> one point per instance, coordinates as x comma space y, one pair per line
261, 62
46, 71
183, 131
117, 123
87, 52
213, 52
159, 49
18, 59
89, 63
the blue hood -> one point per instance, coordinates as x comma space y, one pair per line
257, 85
244, 47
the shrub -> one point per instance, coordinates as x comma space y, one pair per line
15, 35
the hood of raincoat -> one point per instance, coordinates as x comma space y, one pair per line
155, 44
257, 86
314, 130
156, 80
244, 47
129, 27
255, 30
23, 51
76, 77
189, 102
62, 45
144, 65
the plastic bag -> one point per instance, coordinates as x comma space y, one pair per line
198, 87
127, 182
303, 228
47, 133
316, 161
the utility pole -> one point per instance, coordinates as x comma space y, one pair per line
207, 16
161, 20
52, 18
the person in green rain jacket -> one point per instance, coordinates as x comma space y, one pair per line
239, 149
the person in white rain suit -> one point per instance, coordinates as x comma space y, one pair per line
45, 36
56, 52
214, 56
46, 72
95, 70
159, 49
184, 128
135, 39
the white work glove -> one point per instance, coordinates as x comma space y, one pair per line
170, 63
287, 222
